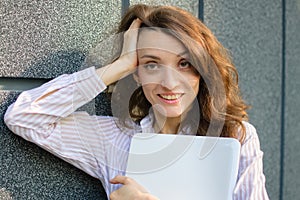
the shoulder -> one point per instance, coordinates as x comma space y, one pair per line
251, 145
251, 180
250, 132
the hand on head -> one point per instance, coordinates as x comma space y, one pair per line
127, 62
129, 53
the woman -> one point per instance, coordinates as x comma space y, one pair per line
187, 84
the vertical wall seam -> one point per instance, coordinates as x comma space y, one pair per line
201, 10
125, 6
283, 88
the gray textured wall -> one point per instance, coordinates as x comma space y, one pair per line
267, 62
40, 40
252, 31
291, 183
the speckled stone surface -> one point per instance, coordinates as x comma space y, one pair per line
191, 5
4, 194
251, 30
29, 172
292, 114
43, 39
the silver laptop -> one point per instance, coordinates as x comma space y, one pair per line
181, 167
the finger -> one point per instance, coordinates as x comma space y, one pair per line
120, 180
132, 32
135, 24
130, 37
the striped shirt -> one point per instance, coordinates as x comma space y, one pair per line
99, 145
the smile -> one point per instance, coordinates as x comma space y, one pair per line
170, 98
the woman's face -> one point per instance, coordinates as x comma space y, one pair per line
170, 83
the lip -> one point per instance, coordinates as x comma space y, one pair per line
170, 98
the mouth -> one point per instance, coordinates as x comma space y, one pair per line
170, 98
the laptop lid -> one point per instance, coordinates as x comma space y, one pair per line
181, 167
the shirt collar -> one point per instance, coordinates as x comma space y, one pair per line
147, 125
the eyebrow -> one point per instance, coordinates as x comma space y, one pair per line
157, 58
151, 56
182, 53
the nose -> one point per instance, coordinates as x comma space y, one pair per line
170, 78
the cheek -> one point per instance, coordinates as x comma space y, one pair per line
150, 79
193, 84
143, 77
148, 91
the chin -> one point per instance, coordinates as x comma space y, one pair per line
172, 114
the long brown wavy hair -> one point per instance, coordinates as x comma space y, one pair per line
221, 109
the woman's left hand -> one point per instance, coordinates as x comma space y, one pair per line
130, 190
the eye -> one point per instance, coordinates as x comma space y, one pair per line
151, 66
184, 64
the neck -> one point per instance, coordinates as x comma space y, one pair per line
166, 125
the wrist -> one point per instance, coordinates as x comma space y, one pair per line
113, 72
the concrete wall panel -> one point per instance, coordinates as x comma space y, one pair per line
191, 5
291, 182
43, 39
251, 30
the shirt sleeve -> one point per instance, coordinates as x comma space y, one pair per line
251, 180
46, 116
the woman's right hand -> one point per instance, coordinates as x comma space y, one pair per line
129, 53
127, 62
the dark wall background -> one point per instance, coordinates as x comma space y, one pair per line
40, 40
264, 40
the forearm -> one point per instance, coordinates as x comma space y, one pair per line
54, 100
114, 71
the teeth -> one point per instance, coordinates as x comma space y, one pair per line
171, 97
